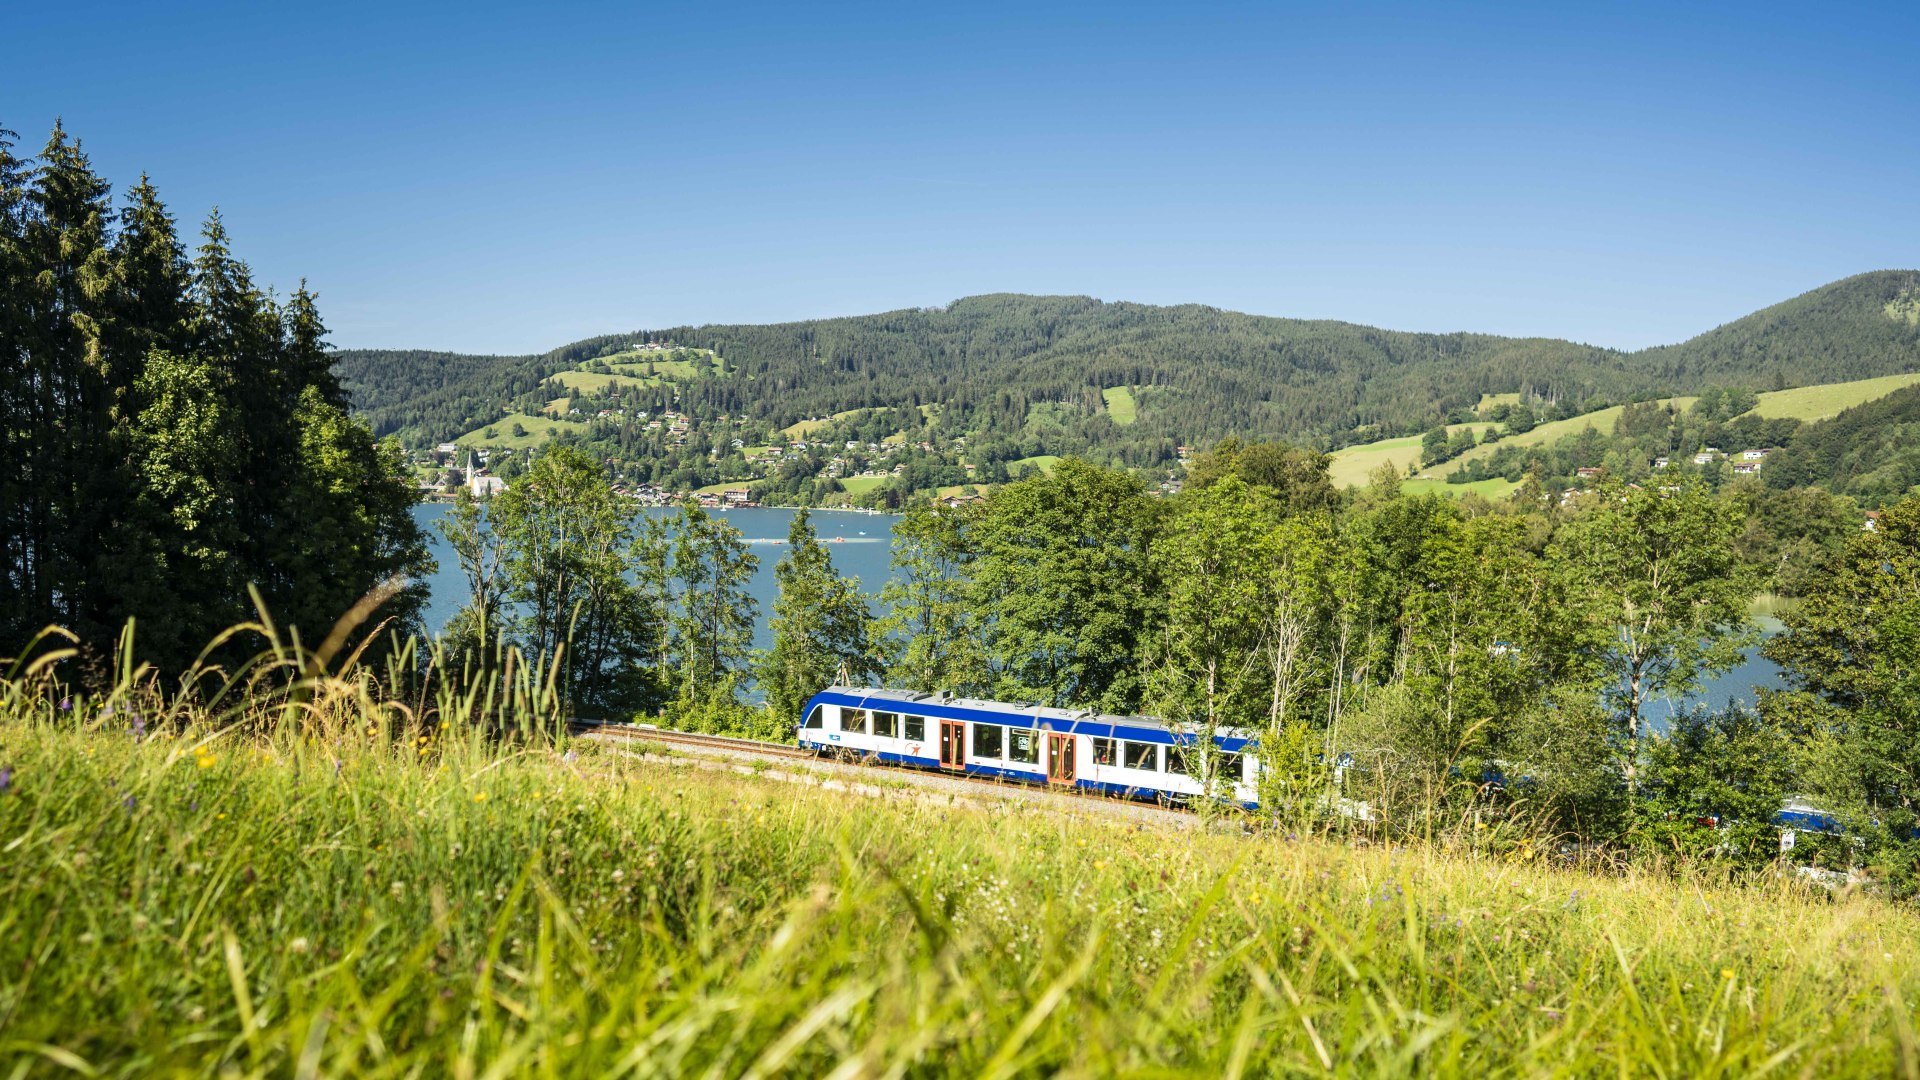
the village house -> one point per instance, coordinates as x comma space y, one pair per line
1706, 455
1588, 472
1661, 463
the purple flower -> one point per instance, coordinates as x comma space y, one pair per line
6, 779
571, 756
139, 726
336, 766
66, 704
130, 804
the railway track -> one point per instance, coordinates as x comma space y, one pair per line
669, 737
649, 733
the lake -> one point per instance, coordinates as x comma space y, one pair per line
859, 545
858, 542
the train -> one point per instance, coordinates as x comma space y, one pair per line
1135, 757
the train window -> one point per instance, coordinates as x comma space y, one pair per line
1140, 755
916, 728
1105, 753
1230, 768
815, 719
853, 720
1177, 761
986, 740
1023, 744
886, 724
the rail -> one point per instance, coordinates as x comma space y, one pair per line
669, 737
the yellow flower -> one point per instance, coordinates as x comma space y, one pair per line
1726, 973
479, 796
205, 762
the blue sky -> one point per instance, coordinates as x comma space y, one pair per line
508, 178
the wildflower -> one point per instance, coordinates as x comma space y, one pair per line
479, 796
139, 726
129, 804
1726, 973
571, 756
204, 760
66, 704
6, 779
298, 945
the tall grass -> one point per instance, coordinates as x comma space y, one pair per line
329, 882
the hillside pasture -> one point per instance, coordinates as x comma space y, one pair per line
1601, 420
594, 382
1352, 465
1043, 462
504, 439
1495, 488
806, 428
1122, 409
1811, 403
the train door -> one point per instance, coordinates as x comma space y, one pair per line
1059, 758
953, 742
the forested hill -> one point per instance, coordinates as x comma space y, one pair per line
1003, 364
1855, 328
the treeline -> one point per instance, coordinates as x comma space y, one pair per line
173, 435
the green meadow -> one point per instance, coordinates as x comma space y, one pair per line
314, 882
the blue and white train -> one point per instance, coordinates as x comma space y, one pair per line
1132, 756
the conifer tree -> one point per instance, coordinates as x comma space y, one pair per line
171, 435
15, 394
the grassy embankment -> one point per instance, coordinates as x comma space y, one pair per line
322, 888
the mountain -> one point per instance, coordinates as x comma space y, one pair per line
1033, 369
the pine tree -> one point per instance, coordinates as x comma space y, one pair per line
169, 439
16, 397
66, 457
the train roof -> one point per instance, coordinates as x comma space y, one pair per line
1084, 721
